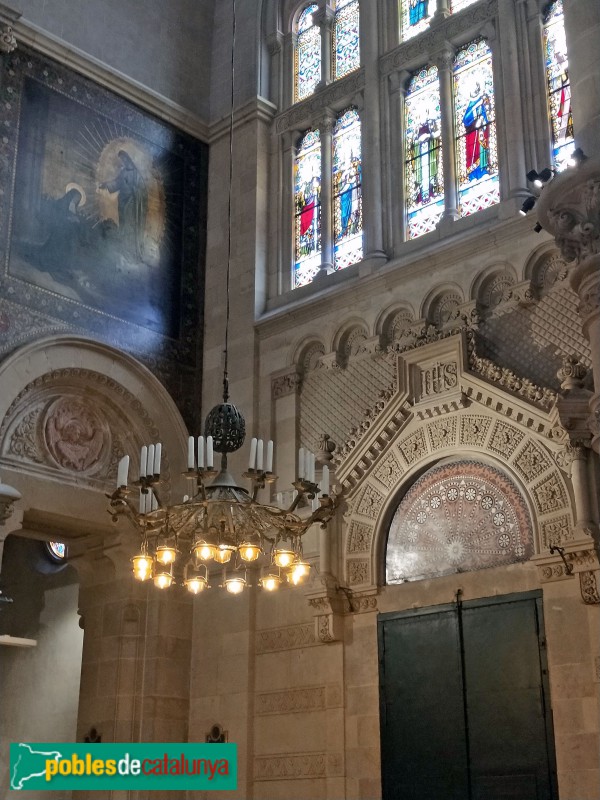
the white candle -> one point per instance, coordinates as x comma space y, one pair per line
301, 463
201, 452
150, 461
142, 503
259, 455
190, 452
314, 503
252, 459
123, 471
325, 480
307, 464
186, 497
312, 467
157, 458
209, 452
269, 465
153, 502
143, 460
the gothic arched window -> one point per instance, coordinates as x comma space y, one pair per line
307, 66
559, 87
476, 150
307, 202
423, 162
346, 45
347, 196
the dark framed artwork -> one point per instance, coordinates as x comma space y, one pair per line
102, 211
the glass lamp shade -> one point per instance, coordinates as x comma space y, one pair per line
283, 558
223, 553
166, 554
235, 585
142, 567
162, 580
204, 551
270, 582
298, 572
196, 584
249, 551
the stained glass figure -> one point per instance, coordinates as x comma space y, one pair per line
57, 550
307, 54
423, 155
346, 49
307, 201
347, 190
458, 5
559, 87
476, 150
414, 17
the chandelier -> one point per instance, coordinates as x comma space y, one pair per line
221, 522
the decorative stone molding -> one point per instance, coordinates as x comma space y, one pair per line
283, 385
328, 362
331, 97
435, 39
582, 561
301, 700
292, 637
8, 42
295, 766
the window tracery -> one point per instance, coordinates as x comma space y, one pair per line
558, 85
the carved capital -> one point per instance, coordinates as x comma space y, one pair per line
286, 384
572, 373
588, 584
8, 43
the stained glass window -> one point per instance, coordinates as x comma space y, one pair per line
423, 155
414, 17
559, 87
346, 49
347, 192
308, 54
307, 201
476, 150
57, 550
458, 5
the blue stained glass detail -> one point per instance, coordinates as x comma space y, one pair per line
347, 190
307, 54
476, 149
58, 550
307, 202
414, 17
424, 171
559, 86
346, 46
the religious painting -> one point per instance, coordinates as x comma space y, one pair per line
105, 207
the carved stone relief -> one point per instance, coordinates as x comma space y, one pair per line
414, 447
555, 531
293, 766
549, 495
473, 429
359, 537
389, 471
505, 439
74, 434
442, 433
358, 571
370, 502
531, 462
291, 637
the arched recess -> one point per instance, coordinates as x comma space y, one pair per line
443, 410
69, 409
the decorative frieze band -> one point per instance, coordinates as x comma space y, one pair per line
301, 700
292, 766
291, 637
284, 385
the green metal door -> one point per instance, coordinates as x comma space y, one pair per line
464, 702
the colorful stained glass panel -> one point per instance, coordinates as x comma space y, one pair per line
559, 87
346, 48
424, 173
307, 55
58, 550
347, 190
476, 148
414, 17
307, 201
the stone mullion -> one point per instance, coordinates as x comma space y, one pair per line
287, 240
325, 18
445, 63
290, 41
370, 113
533, 76
325, 125
398, 82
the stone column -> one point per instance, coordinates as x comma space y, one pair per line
444, 62
582, 27
569, 209
277, 68
289, 46
285, 249
370, 115
324, 18
397, 82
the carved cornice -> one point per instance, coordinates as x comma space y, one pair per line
333, 96
436, 38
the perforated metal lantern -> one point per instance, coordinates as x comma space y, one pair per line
227, 426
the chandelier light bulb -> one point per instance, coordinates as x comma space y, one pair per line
235, 585
162, 580
204, 551
196, 584
166, 554
270, 582
223, 553
249, 551
283, 558
298, 572
142, 567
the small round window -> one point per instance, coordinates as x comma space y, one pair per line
57, 550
